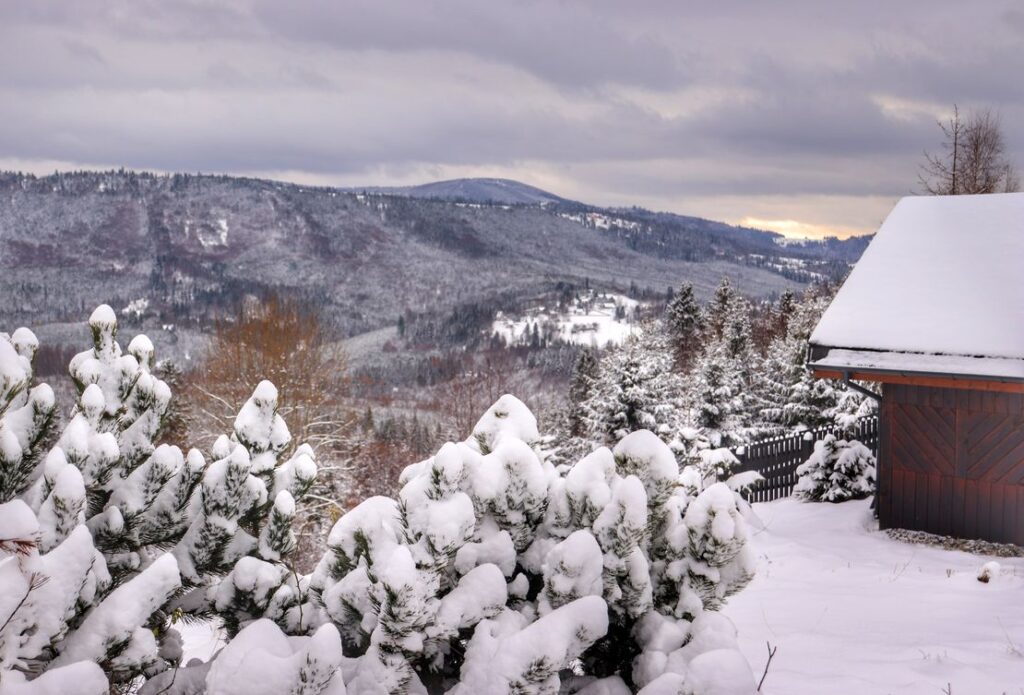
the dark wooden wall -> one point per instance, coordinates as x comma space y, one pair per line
951, 462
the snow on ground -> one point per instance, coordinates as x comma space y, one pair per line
853, 611
200, 640
595, 322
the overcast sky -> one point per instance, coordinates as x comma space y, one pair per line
804, 116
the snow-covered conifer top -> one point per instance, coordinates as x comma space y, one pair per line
17, 522
103, 315
24, 341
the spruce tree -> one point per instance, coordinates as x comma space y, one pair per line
787, 395
637, 389
786, 307
685, 322
721, 304
717, 392
837, 471
584, 376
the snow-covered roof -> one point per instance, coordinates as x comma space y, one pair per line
919, 363
943, 276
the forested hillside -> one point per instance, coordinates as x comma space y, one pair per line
173, 253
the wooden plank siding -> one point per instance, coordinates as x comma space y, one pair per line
952, 462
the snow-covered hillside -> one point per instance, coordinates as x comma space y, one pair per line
593, 320
852, 611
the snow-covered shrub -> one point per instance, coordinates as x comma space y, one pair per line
94, 529
837, 471
262, 659
80, 574
234, 552
493, 572
704, 660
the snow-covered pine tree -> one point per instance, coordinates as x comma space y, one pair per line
69, 602
637, 389
535, 568
849, 408
736, 333
717, 393
242, 523
584, 375
784, 311
788, 395
92, 519
137, 492
837, 470
721, 305
26, 413
684, 321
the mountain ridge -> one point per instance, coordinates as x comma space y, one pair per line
472, 190
184, 250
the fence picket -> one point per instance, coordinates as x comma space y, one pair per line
777, 458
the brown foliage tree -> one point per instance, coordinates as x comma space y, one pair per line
283, 341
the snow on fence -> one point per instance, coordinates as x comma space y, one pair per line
777, 459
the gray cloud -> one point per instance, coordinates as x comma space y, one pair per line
722, 106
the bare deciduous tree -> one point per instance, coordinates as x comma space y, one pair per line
973, 158
283, 341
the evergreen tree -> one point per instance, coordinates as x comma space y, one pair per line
86, 527
717, 395
80, 562
685, 323
584, 377
637, 389
787, 306
720, 307
837, 471
786, 393
243, 528
736, 333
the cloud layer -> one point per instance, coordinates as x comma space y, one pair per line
804, 115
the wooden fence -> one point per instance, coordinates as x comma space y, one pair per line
777, 459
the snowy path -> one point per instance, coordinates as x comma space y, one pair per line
852, 611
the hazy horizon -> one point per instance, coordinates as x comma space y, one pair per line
793, 117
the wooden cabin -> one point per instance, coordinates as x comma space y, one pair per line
933, 313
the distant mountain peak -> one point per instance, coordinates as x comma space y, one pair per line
475, 190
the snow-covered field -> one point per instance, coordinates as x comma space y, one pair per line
852, 611
592, 323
